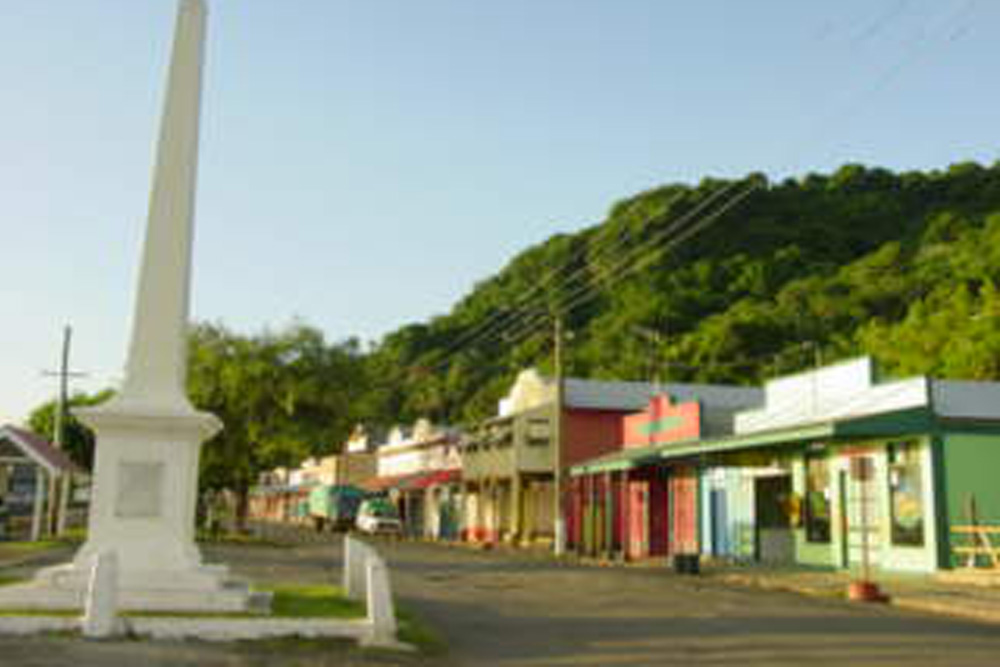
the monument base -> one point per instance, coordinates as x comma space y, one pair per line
208, 588
142, 509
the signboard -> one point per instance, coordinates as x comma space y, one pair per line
862, 468
662, 422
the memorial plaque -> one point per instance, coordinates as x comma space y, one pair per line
140, 490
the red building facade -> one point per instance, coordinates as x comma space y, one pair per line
628, 503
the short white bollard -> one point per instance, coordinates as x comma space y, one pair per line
381, 611
356, 554
100, 619
347, 581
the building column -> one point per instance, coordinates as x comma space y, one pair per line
609, 516
515, 507
464, 525
39, 506
488, 510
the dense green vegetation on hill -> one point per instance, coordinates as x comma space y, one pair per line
805, 271
818, 268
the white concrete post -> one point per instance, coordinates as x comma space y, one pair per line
101, 617
355, 567
66, 488
346, 579
381, 611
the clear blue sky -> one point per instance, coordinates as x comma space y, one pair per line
365, 163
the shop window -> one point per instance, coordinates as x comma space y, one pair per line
906, 494
539, 432
816, 509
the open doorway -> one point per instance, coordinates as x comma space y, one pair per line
775, 539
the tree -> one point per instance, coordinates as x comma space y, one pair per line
282, 397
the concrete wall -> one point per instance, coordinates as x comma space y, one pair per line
590, 433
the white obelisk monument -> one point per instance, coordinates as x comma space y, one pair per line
149, 436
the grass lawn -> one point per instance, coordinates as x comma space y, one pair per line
413, 631
60, 613
316, 601
18, 548
239, 539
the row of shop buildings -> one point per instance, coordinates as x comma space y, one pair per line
827, 467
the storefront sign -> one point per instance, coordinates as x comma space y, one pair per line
663, 421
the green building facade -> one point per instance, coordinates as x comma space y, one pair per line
840, 465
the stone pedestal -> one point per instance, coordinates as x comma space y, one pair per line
142, 510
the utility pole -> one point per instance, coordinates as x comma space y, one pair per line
557, 437
57, 513
656, 339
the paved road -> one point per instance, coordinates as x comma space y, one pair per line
501, 608
512, 609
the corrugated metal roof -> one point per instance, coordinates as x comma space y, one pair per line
964, 399
609, 395
40, 450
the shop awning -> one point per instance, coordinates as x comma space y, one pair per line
901, 422
426, 480
384, 483
625, 459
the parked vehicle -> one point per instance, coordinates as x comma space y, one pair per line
335, 506
378, 515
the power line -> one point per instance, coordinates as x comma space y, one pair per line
497, 318
881, 82
533, 314
529, 319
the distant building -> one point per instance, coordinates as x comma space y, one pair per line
282, 494
420, 468
630, 502
28, 463
836, 466
509, 463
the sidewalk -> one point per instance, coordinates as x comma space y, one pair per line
966, 594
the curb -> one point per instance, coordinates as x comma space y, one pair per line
991, 615
981, 613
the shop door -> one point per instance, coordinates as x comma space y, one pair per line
414, 504
720, 523
597, 515
684, 518
862, 520
448, 518
659, 515
772, 501
638, 519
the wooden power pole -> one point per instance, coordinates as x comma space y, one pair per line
57, 510
557, 438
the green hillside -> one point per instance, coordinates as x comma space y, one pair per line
804, 270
